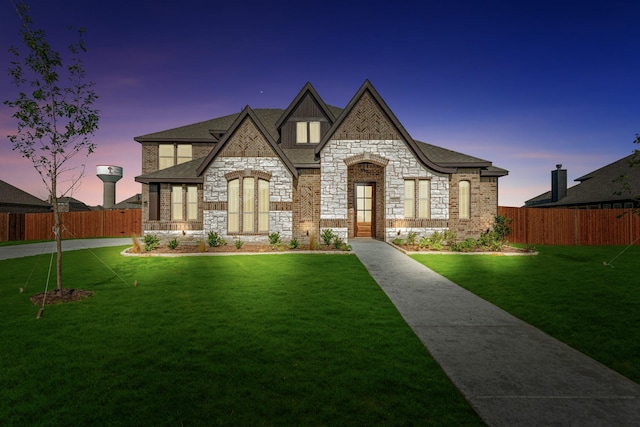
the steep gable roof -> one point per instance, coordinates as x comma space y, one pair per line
307, 90
368, 89
247, 114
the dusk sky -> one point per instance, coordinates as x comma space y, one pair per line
524, 84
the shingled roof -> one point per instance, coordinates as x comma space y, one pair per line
13, 199
600, 186
213, 131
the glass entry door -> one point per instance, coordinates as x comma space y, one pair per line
364, 210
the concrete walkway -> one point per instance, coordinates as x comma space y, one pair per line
18, 251
510, 372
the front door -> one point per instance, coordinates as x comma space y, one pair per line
365, 210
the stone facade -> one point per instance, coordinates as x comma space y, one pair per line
401, 165
247, 154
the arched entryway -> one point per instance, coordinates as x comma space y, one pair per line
365, 188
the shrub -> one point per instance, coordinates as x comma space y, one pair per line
338, 242
274, 238
449, 237
238, 243
151, 242
490, 240
214, 239
468, 245
398, 241
136, 247
411, 238
173, 244
294, 243
313, 242
501, 227
327, 236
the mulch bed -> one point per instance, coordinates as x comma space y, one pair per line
55, 296
506, 249
230, 248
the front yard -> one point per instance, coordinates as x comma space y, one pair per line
239, 340
586, 296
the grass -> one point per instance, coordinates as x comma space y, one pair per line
238, 340
565, 291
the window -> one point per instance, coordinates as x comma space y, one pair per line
417, 204
263, 206
307, 132
176, 202
192, 203
409, 198
183, 153
173, 154
464, 196
252, 195
248, 204
233, 210
165, 156
184, 203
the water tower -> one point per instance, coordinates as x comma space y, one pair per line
109, 176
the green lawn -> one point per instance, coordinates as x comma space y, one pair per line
567, 292
237, 340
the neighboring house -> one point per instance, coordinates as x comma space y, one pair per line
69, 204
133, 202
14, 200
600, 189
309, 167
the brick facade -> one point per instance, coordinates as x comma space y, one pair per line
483, 203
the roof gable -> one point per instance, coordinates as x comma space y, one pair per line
367, 116
306, 91
244, 131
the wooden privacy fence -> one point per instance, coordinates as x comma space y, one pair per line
584, 227
39, 226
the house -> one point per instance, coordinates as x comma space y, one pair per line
14, 200
600, 189
69, 204
133, 202
309, 167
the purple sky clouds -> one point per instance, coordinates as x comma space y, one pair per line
524, 84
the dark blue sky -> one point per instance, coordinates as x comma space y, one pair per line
523, 84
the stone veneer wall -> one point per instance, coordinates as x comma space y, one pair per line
247, 153
401, 164
483, 206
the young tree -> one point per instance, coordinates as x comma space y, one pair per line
55, 114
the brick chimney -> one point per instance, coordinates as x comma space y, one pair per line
558, 183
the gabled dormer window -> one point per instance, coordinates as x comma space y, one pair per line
308, 132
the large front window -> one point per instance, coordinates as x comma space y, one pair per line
417, 198
248, 205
